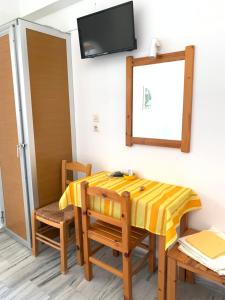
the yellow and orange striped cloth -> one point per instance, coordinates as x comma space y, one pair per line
156, 207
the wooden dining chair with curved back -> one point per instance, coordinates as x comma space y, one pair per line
51, 217
117, 234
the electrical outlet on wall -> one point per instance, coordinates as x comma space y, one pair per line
95, 118
95, 122
95, 128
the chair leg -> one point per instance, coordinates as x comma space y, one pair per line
34, 230
171, 279
63, 246
152, 256
162, 267
127, 276
87, 253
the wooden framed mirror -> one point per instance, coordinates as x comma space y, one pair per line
159, 99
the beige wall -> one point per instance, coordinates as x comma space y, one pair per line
9, 10
100, 88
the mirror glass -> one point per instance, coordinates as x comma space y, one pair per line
158, 100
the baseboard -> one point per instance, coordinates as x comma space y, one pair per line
16, 237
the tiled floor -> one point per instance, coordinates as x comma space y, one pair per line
24, 277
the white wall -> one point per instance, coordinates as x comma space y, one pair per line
65, 19
12, 9
100, 88
29, 6
9, 10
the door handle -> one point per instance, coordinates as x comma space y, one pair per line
18, 148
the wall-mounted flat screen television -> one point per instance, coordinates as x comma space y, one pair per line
107, 31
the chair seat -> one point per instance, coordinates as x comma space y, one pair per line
52, 213
113, 235
192, 265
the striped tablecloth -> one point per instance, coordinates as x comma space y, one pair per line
156, 206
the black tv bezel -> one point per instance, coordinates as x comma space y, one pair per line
111, 51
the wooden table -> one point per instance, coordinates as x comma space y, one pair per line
172, 203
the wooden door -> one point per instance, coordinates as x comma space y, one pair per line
47, 60
9, 162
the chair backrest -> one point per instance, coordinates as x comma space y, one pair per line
73, 166
104, 194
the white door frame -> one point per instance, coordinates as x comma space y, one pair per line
21, 80
26, 101
2, 207
9, 29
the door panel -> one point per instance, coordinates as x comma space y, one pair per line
9, 162
47, 59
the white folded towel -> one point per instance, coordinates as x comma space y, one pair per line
216, 264
193, 255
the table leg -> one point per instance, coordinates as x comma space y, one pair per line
183, 228
185, 275
171, 279
79, 235
152, 256
162, 268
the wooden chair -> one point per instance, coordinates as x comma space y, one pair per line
114, 233
55, 219
176, 259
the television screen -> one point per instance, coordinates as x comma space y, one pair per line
107, 31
